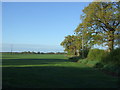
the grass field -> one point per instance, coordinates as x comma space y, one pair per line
51, 71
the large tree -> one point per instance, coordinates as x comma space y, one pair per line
103, 20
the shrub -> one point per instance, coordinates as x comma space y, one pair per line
112, 68
74, 59
84, 61
98, 65
96, 54
112, 58
110, 63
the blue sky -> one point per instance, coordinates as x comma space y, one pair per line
39, 26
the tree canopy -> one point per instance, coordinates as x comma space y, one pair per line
72, 44
102, 19
100, 25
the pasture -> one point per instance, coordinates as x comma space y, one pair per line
51, 71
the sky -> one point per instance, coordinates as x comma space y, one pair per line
38, 26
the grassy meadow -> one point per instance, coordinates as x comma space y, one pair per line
51, 71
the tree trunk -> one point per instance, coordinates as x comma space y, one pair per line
74, 50
111, 41
78, 53
75, 53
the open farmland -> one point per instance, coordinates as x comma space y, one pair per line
51, 71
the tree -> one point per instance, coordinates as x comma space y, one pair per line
86, 38
117, 38
72, 44
103, 19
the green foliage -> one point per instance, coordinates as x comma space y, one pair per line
101, 20
85, 35
72, 44
110, 63
112, 58
88, 62
74, 59
96, 54
100, 25
112, 68
98, 65
83, 61
86, 51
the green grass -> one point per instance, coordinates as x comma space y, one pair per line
51, 71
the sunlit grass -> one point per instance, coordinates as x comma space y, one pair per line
39, 65
24, 65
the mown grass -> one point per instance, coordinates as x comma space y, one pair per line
51, 71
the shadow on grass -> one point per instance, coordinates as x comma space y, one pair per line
55, 77
31, 61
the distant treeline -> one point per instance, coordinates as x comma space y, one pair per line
29, 52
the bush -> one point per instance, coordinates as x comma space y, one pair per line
112, 68
74, 59
88, 62
98, 65
110, 63
96, 54
112, 58
83, 61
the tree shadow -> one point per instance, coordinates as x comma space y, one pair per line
32, 61
55, 77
